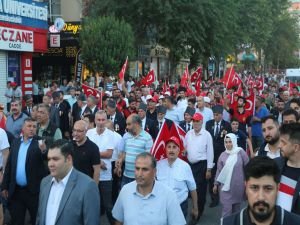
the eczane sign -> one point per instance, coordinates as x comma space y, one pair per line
16, 40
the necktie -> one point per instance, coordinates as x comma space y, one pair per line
29, 111
189, 126
160, 123
217, 130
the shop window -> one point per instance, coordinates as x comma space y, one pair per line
14, 67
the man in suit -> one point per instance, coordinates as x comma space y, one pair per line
54, 113
27, 109
23, 173
92, 104
147, 124
67, 196
218, 128
187, 123
63, 108
161, 112
114, 115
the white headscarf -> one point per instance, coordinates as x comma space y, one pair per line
226, 173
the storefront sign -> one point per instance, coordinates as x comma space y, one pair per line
73, 28
55, 40
25, 12
16, 40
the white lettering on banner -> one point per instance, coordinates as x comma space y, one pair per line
28, 86
26, 72
27, 78
27, 64
15, 39
28, 92
18, 8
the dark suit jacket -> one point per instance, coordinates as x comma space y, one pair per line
25, 110
151, 127
54, 115
218, 140
80, 202
64, 109
182, 124
119, 123
35, 167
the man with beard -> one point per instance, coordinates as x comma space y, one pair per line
131, 108
278, 110
121, 104
262, 186
270, 129
243, 116
289, 165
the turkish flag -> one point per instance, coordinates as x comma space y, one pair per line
196, 74
149, 79
250, 103
260, 83
240, 90
250, 82
166, 87
185, 77
168, 129
198, 86
87, 90
231, 78
123, 70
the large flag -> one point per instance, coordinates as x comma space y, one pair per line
198, 86
260, 83
197, 74
185, 78
250, 82
168, 129
123, 70
231, 78
250, 103
149, 79
87, 90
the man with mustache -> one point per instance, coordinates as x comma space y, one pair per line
262, 185
289, 165
270, 129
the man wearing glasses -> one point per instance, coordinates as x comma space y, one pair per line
86, 156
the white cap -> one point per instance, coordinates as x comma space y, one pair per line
206, 99
148, 97
167, 93
161, 97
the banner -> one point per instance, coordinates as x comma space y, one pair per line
79, 67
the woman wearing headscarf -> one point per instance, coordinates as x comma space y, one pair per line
230, 178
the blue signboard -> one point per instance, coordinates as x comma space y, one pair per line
28, 13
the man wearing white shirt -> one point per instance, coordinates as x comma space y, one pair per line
199, 146
67, 196
206, 112
172, 112
116, 180
177, 174
103, 137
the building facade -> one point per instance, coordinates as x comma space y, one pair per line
23, 32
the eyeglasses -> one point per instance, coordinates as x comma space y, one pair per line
77, 131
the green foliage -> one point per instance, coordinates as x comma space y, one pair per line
105, 43
198, 29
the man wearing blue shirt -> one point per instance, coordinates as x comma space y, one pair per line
146, 201
24, 171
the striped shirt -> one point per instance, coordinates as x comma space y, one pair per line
132, 146
288, 182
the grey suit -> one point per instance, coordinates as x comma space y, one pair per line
79, 205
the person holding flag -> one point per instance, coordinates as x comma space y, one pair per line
177, 174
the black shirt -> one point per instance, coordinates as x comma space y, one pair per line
86, 156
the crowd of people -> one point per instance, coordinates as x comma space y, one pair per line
99, 161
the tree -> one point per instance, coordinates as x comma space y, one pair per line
105, 43
284, 42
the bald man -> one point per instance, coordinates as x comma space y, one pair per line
86, 153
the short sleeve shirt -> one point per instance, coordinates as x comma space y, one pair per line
85, 157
